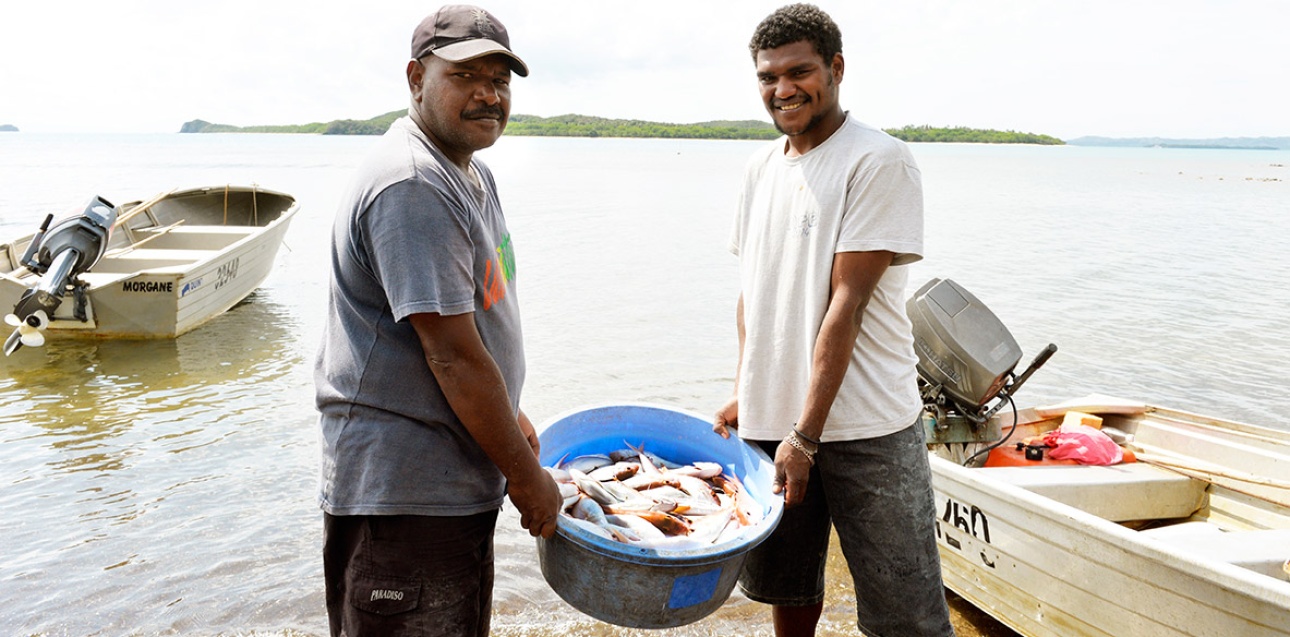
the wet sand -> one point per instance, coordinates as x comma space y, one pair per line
970, 621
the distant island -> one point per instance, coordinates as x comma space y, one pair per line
8, 128
521, 125
1228, 143
970, 135
588, 126
374, 126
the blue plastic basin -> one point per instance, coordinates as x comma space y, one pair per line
650, 588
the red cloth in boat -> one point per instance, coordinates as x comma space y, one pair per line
1083, 444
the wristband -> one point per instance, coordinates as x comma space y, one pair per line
804, 436
797, 444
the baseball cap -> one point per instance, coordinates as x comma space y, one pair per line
460, 32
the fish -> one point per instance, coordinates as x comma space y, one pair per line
647, 480
636, 497
635, 452
642, 505
665, 493
588, 510
559, 475
696, 488
620, 491
647, 465
745, 508
668, 523
646, 531
609, 532
712, 526
594, 529
592, 488
587, 463
620, 470
569, 493
703, 470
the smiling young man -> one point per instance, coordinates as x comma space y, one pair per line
419, 374
829, 215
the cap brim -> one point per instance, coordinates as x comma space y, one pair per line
475, 49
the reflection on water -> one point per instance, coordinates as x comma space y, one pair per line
126, 462
82, 395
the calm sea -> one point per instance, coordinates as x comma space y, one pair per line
168, 487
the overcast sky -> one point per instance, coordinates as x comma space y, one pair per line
1120, 68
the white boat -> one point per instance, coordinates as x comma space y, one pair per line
1191, 539
168, 264
1190, 535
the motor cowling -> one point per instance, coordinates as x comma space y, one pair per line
966, 360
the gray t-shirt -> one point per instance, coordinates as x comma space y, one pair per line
413, 234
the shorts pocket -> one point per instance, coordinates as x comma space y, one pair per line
384, 594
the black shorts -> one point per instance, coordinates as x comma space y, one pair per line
877, 493
409, 574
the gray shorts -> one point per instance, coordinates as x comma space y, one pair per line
409, 574
878, 495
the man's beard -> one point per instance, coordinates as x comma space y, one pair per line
814, 121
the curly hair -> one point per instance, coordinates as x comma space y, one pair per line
794, 23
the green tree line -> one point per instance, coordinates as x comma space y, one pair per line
974, 135
588, 126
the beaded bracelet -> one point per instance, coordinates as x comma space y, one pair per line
797, 444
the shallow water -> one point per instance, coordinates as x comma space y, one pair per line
168, 487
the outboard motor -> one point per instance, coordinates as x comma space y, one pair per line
59, 255
965, 362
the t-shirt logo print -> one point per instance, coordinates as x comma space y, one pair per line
482, 22
808, 222
495, 280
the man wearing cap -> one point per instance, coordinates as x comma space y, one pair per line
829, 215
419, 373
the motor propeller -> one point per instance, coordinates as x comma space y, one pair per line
28, 332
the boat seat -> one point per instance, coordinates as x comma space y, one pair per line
185, 237
1264, 551
139, 259
1119, 493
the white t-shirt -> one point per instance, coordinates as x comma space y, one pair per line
858, 191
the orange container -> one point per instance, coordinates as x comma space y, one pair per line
1010, 456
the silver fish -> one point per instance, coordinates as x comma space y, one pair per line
696, 488
703, 470
592, 488
587, 463
559, 475
587, 510
647, 532
620, 470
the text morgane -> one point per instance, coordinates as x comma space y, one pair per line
148, 286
